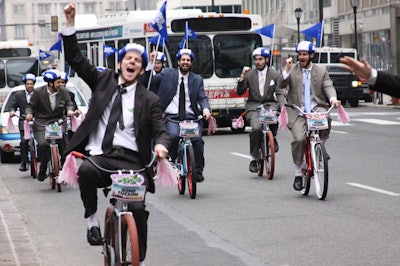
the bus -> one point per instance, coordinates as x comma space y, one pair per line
223, 46
16, 59
349, 88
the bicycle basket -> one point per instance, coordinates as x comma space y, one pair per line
268, 117
188, 129
128, 187
53, 131
317, 121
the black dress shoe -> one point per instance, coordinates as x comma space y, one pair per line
42, 176
94, 236
298, 183
253, 167
276, 144
200, 177
23, 167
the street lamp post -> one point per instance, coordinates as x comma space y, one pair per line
297, 12
354, 4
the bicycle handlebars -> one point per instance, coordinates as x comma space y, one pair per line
304, 113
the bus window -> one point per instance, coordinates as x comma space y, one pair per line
320, 58
16, 69
232, 52
203, 61
334, 57
2, 75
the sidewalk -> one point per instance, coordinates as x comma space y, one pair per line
16, 246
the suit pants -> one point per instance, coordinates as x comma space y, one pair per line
91, 178
299, 130
198, 143
256, 135
24, 147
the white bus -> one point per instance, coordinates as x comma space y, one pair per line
224, 45
16, 59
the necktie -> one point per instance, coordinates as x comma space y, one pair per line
261, 83
307, 92
182, 101
115, 115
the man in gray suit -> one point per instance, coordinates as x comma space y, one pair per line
262, 85
48, 105
20, 100
320, 89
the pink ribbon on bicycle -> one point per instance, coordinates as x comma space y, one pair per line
27, 130
10, 124
283, 118
76, 122
212, 125
167, 173
69, 173
343, 116
239, 122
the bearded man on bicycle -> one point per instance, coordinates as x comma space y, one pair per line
122, 141
262, 85
309, 87
48, 104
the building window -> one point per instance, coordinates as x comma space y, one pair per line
19, 32
19, 9
89, 7
115, 6
44, 8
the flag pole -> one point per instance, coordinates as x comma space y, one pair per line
186, 35
272, 45
154, 61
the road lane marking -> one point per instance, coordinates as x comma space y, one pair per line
373, 189
377, 121
10, 240
241, 155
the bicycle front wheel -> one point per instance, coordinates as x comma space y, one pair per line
33, 158
321, 171
269, 156
130, 242
55, 161
191, 174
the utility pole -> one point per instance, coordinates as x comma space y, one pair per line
321, 18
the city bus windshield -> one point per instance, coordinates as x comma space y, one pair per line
15, 69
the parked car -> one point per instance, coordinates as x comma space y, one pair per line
10, 140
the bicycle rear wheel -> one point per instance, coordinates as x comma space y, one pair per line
130, 242
321, 171
181, 179
191, 173
109, 238
306, 180
33, 158
269, 159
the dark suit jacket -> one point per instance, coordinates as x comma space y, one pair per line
19, 101
251, 83
165, 85
148, 122
39, 106
388, 84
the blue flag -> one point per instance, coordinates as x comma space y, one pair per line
314, 31
159, 23
267, 30
189, 34
157, 39
43, 55
108, 50
57, 46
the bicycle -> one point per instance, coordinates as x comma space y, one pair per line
185, 160
315, 163
121, 246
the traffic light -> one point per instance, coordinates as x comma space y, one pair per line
54, 23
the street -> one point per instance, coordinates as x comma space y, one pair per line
237, 218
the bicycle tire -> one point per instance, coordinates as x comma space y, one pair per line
181, 179
321, 176
55, 160
109, 238
191, 173
269, 159
306, 180
33, 158
130, 242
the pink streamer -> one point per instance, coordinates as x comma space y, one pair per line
167, 174
212, 125
27, 130
238, 123
69, 173
10, 124
343, 116
283, 118
76, 122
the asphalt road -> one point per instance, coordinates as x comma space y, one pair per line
237, 217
